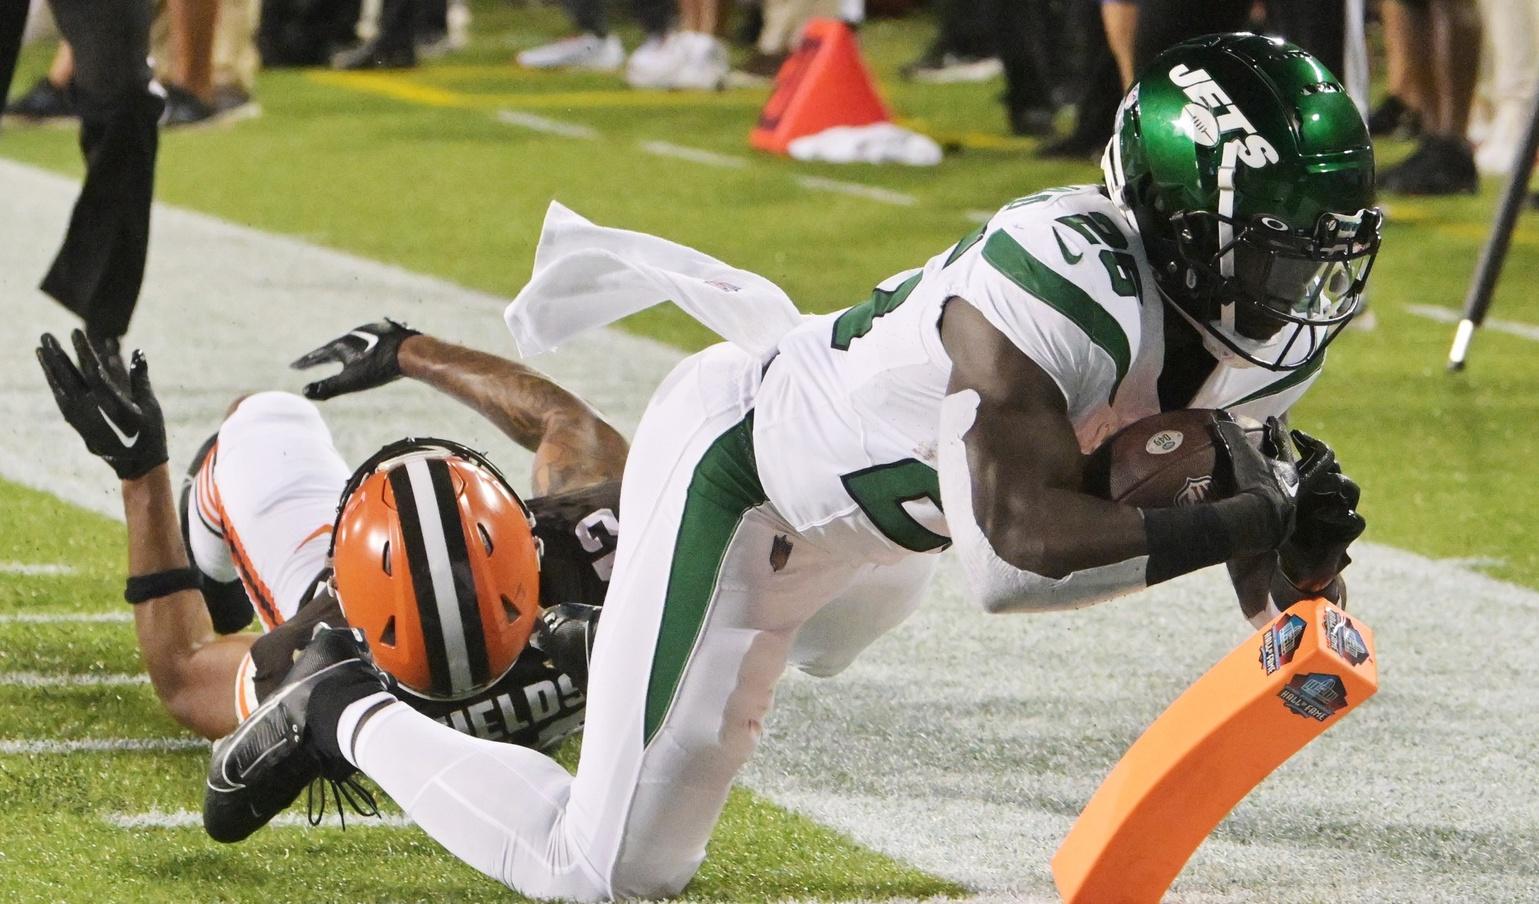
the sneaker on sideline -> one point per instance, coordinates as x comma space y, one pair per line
954, 68
704, 64
584, 51
652, 64
43, 101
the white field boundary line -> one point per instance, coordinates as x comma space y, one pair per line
1527, 331
81, 679
36, 569
693, 155
64, 618
185, 819
17, 747
547, 126
857, 190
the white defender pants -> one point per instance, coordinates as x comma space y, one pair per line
711, 590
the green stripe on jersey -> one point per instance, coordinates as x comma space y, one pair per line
724, 487
1050, 287
1291, 380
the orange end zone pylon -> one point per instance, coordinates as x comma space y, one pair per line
1258, 706
822, 85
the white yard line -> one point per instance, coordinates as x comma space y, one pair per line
857, 190
547, 126
36, 569
693, 155
185, 819
86, 679
64, 618
1527, 331
15, 747
978, 216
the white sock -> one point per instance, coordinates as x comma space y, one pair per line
347, 723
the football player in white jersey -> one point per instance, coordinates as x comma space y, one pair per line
789, 511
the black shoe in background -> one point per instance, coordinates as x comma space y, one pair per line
1036, 122
1394, 117
1441, 165
183, 108
43, 100
1078, 146
374, 55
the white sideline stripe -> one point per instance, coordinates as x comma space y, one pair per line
101, 745
693, 155
545, 125
1474, 561
50, 618
183, 819
85, 679
36, 569
1448, 315
858, 190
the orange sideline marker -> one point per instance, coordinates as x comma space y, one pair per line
822, 85
1258, 706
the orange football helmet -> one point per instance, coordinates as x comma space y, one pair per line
435, 559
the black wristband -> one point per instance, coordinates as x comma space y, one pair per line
144, 587
1182, 539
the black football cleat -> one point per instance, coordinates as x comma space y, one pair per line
258, 770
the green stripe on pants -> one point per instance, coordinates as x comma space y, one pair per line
724, 487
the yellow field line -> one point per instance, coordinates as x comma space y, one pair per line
399, 88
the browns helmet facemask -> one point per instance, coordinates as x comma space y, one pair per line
434, 558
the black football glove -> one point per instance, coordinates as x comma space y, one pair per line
367, 355
565, 633
1268, 475
1328, 520
121, 425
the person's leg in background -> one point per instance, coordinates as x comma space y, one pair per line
1028, 109
1162, 23
1101, 90
13, 23
965, 46
593, 47
394, 47
1512, 32
1318, 26
100, 267
1444, 162
1408, 68
1120, 19
236, 60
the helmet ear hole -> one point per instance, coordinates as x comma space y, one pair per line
486, 538
509, 611
384, 559
387, 636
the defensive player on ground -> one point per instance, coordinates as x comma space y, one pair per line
786, 508
425, 547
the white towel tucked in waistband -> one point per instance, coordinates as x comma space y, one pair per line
586, 275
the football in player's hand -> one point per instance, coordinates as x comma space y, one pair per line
1163, 460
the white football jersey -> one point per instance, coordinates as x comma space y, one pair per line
846, 420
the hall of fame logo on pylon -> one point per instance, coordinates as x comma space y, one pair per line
1280, 642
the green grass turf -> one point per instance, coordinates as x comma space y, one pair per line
447, 190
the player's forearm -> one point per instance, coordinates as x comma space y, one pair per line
182, 655
573, 445
520, 401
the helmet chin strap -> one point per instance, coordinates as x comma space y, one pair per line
1221, 353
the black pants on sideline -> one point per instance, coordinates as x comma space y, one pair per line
1162, 23
100, 267
654, 16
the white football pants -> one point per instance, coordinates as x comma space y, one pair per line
710, 591
263, 502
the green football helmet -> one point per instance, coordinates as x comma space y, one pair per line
1248, 173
